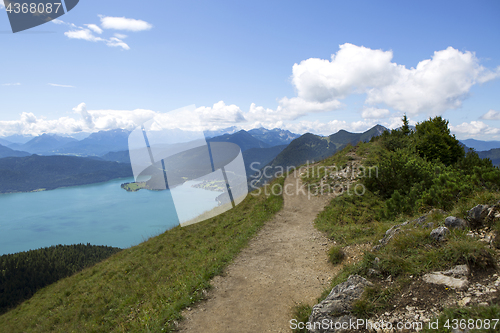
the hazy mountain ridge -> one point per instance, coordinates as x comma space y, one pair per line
98, 143
8, 152
273, 137
22, 174
479, 145
242, 138
492, 154
45, 144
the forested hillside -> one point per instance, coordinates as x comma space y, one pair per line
22, 274
22, 174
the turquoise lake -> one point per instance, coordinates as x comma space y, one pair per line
99, 214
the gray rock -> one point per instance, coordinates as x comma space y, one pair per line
440, 233
373, 272
453, 278
458, 271
337, 305
478, 214
429, 225
440, 278
455, 222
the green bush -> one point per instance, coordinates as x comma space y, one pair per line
336, 255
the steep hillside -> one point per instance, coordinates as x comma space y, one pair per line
144, 288
117, 156
259, 157
21, 174
492, 154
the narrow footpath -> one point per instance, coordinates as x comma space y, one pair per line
286, 263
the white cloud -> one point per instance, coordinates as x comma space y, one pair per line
434, 86
203, 118
60, 85
491, 115
115, 42
122, 23
374, 113
84, 34
81, 109
474, 129
120, 36
94, 28
11, 84
87, 35
87, 121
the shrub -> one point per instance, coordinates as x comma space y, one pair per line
336, 255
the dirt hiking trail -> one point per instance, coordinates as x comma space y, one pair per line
285, 264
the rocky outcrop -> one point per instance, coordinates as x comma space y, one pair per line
477, 215
418, 222
453, 222
336, 308
439, 234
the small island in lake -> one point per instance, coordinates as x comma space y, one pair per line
134, 186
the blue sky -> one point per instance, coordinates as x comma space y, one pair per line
115, 64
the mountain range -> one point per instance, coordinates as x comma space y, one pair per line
274, 149
43, 144
310, 147
479, 145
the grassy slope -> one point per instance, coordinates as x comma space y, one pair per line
356, 220
144, 288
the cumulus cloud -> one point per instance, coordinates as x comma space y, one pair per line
122, 23
474, 129
88, 31
86, 34
86, 121
11, 84
94, 28
374, 113
116, 42
434, 86
491, 115
60, 85
202, 118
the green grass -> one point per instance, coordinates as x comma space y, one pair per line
301, 314
352, 219
144, 288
